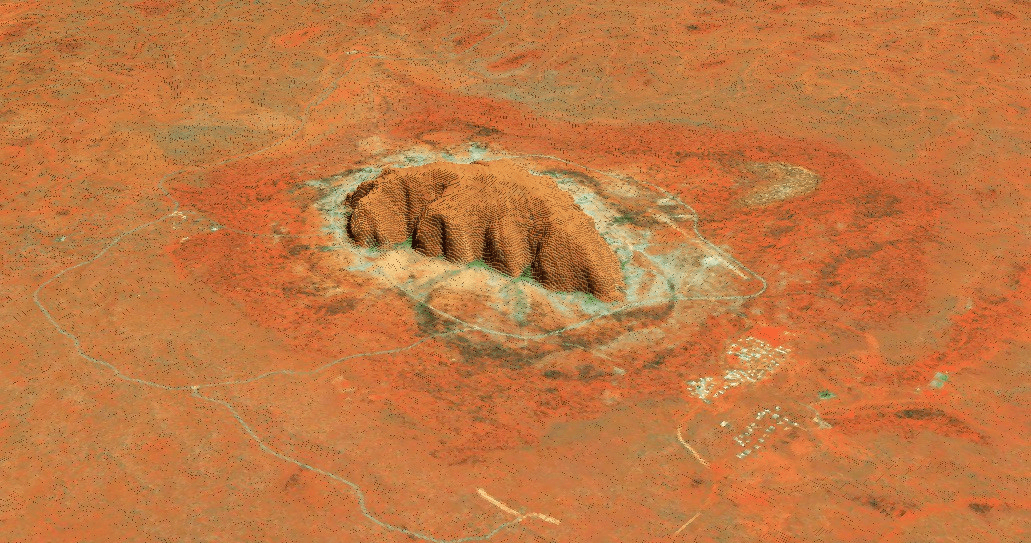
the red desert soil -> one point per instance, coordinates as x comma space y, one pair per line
489, 211
179, 365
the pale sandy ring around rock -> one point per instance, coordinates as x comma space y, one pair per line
715, 251
585, 322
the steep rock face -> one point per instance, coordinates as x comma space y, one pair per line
494, 211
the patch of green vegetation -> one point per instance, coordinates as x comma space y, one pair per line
574, 176
626, 218
298, 249
939, 380
825, 394
920, 414
590, 299
521, 308
644, 314
486, 352
527, 276
406, 244
479, 264
636, 218
429, 322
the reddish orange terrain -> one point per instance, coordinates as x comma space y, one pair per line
820, 211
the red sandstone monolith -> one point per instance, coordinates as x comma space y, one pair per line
491, 211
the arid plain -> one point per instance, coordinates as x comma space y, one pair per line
821, 209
